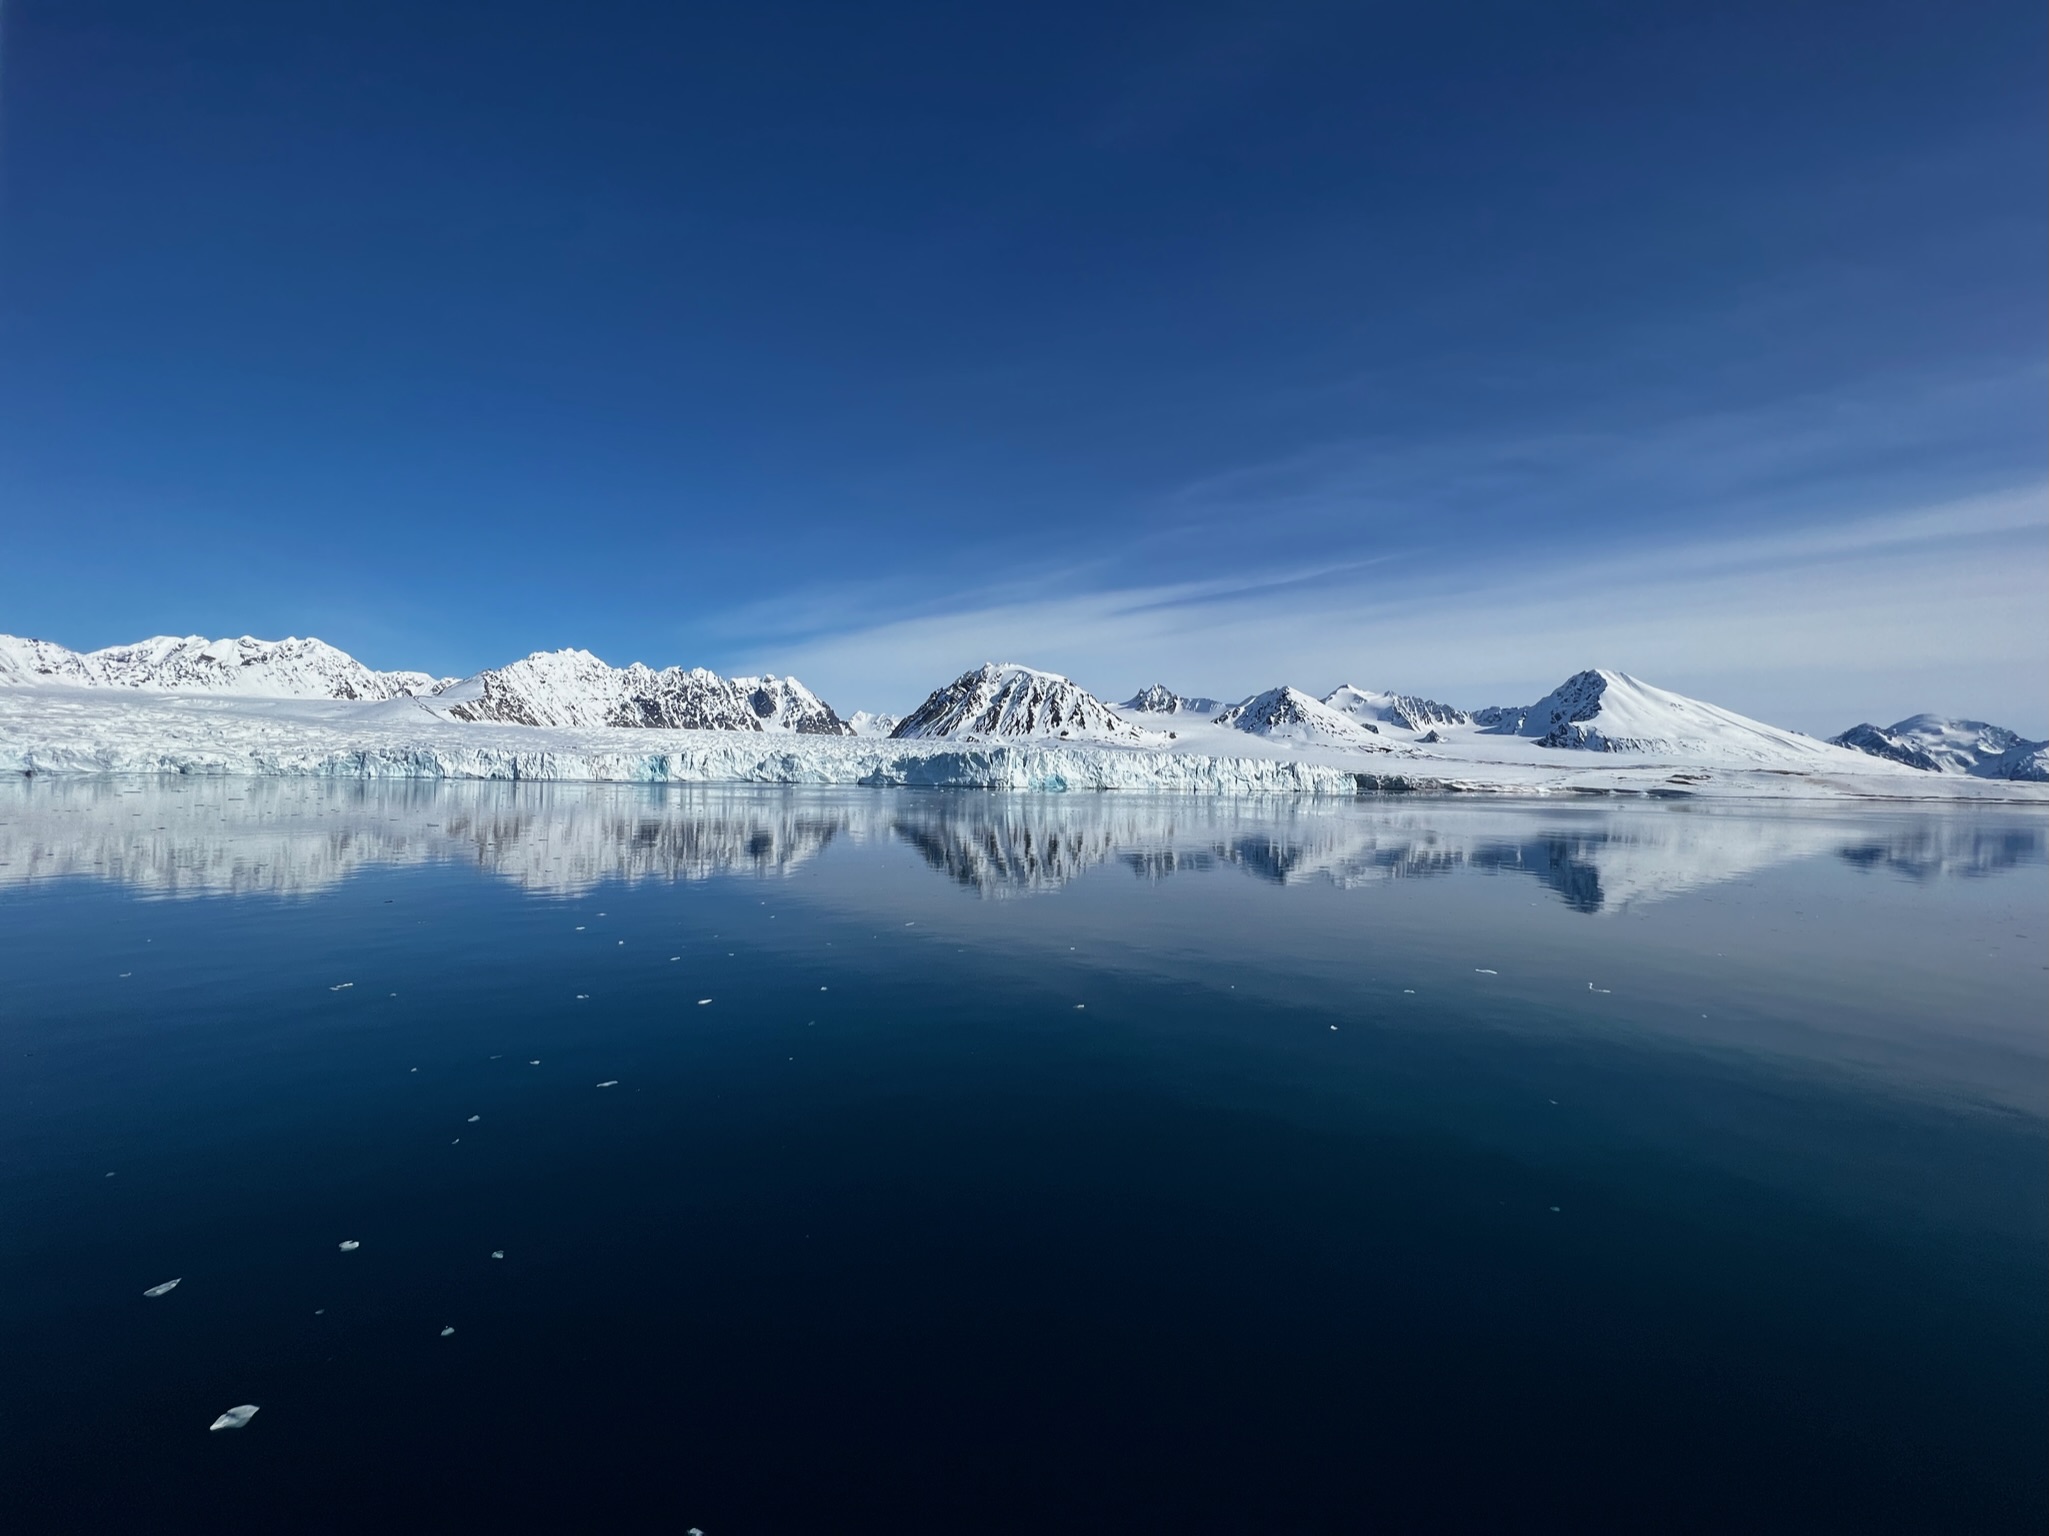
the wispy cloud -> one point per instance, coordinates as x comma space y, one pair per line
1938, 606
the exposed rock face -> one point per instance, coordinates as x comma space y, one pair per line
1939, 745
1405, 711
575, 688
1004, 699
277, 669
1159, 699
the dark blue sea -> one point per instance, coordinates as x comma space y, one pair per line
820, 1162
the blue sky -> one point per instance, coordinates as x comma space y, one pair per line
1448, 348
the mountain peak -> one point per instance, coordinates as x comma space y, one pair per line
1007, 699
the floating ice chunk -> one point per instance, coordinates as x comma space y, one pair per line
343, 987
497, 1253
235, 1418
350, 1245
473, 1119
610, 1082
1081, 1005
583, 997
674, 958
579, 927
702, 1001
126, 974
1604, 991
163, 1290
1481, 970
446, 1332
535, 1062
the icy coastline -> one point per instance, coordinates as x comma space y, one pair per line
56, 731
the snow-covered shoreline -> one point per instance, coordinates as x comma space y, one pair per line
50, 730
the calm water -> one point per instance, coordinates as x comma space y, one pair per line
1017, 1163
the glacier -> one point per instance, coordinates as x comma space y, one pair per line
52, 730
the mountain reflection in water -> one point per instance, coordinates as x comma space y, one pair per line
196, 837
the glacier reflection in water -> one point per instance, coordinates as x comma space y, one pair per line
200, 837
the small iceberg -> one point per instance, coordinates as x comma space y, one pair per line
235, 1418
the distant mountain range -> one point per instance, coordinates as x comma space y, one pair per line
1597, 710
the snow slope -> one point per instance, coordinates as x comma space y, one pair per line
1938, 745
1005, 699
278, 669
574, 688
1288, 714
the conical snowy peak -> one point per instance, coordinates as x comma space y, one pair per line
1941, 745
1288, 714
575, 688
1604, 711
1405, 711
273, 669
863, 722
1159, 699
1004, 699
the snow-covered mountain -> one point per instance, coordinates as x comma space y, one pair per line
864, 722
1159, 699
575, 688
1403, 711
1603, 711
1004, 699
1288, 714
271, 669
1941, 745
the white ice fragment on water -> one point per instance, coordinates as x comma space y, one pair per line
1081, 1005
1333, 1029
343, 987
320, 1311
622, 943
610, 1082
1481, 970
1554, 1207
1604, 991
674, 958
473, 1119
1408, 991
163, 1290
126, 974
350, 1245
446, 1332
497, 1253
535, 1062
110, 1175
579, 927
583, 997
702, 1001
235, 1418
